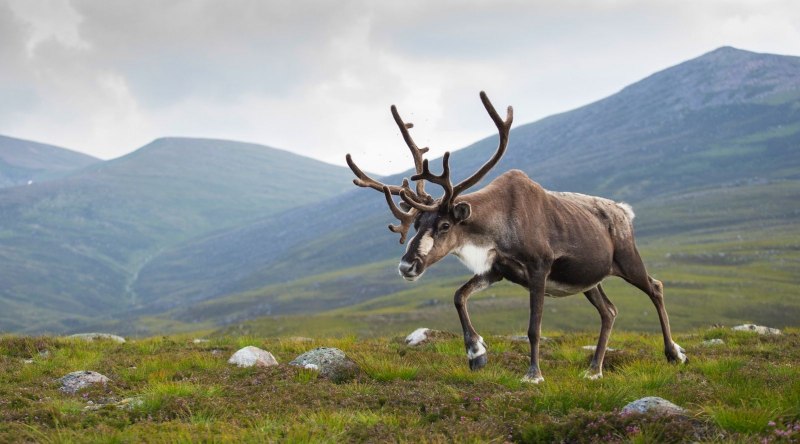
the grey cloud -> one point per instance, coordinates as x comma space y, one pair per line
317, 77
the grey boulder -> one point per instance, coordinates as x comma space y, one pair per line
98, 336
75, 381
653, 404
330, 362
252, 356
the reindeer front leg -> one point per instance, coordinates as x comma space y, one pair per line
537, 279
473, 342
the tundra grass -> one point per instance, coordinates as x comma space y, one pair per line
171, 389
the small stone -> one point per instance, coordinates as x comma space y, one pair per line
130, 403
75, 381
417, 336
200, 341
653, 404
760, 329
252, 356
524, 338
27, 361
331, 363
98, 336
713, 342
594, 347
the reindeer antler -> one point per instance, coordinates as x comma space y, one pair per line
420, 201
503, 128
443, 180
420, 197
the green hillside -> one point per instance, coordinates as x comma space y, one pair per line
23, 161
733, 259
73, 246
705, 150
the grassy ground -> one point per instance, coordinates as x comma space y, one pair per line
170, 389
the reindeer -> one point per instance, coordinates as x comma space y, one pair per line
551, 243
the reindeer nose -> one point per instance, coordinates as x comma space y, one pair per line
408, 270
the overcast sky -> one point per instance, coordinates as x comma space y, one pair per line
317, 77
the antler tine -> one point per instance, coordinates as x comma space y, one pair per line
367, 182
416, 152
442, 180
504, 128
406, 219
418, 205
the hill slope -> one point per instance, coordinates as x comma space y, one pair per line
728, 118
73, 246
23, 161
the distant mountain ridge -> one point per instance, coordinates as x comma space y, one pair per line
729, 116
72, 247
23, 161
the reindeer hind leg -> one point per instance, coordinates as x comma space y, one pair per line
629, 266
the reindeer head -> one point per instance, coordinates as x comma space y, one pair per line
438, 222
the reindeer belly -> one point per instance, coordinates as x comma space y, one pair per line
569, 275
557, 289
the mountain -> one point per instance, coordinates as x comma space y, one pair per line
73, 246
725, 120
23, 161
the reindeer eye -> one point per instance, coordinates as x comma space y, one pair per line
444, 226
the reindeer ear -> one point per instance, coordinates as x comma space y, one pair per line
462, 211
404, 206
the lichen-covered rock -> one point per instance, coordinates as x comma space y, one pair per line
331, 363
653, 404
252, 356
98, 336
713, 342
760, 329
75, 381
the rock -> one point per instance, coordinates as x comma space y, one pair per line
331, 363
75, 381
653, 404
524, 338
125, 404
200, 341
594, 347
418, 336
98, 336
713, 342
252, 356
423, 335
760, 329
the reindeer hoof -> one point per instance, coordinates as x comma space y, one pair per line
593, 375
533, 379
677, 355
478, 362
